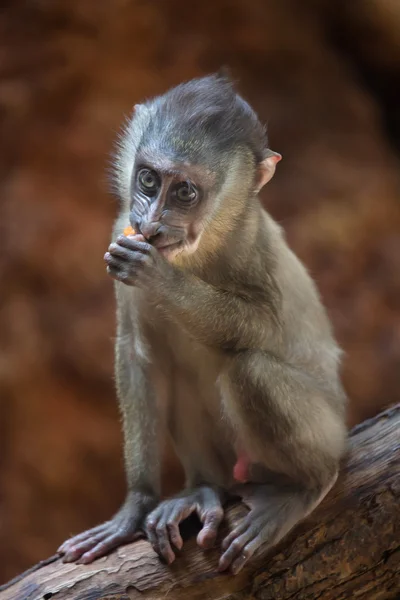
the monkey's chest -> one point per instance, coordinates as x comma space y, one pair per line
196, 419
195, 370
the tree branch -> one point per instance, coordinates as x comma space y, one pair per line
349, 547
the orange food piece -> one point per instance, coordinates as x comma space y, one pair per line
129, 231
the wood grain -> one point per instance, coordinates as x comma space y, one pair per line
348, 548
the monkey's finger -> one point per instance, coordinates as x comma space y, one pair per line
118, 251
115, 273
237, 550
178, 514
135, 244
244, 556
211, 519
241, 528
158, 537
119, 273
125, 267
81, 537
175, 534
163, 543
114, 261
103, 547
77, 550
150, 529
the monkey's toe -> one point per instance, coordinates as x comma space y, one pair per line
162, 525
206, 538
161, 533
240, 545
211, 519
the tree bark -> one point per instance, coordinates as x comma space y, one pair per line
348, 548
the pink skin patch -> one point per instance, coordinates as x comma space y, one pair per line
241, 468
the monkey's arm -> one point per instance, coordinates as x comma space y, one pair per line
213, 316
138, 405
141, 436
218, 317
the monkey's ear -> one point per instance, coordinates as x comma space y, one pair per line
139, 112
266, 169
137, 108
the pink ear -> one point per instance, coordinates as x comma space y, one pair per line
266, 169
137, 108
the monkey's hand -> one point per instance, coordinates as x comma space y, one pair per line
126, 526
133, 261
162, 525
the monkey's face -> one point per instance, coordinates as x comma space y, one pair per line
169, 202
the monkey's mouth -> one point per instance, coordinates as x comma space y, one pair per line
170, 250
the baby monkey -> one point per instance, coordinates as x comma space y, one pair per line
222, 341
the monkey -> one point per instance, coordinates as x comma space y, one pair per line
223, 343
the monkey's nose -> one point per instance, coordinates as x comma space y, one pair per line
148, 229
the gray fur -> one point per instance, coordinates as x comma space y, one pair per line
227, 347
201, 121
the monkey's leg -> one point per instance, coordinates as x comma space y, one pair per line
202, 444
162, 525
141, 433
292, 431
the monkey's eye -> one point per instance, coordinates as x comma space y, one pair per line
185, 192
148, 181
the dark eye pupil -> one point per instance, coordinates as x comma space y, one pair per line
185, 192
148, 180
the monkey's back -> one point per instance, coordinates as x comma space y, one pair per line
307, 335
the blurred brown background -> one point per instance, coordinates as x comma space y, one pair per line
325, 75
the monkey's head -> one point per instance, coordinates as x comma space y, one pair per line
186, 158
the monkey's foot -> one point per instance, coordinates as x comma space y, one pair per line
125, 527
273, 512
162, 525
